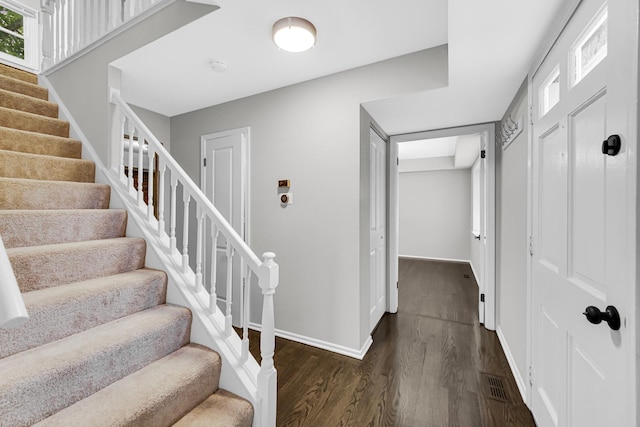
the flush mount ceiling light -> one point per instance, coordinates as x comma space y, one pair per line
294, 34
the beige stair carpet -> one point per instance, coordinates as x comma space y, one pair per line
101, 346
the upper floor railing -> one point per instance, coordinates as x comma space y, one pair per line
69, 26
172, 207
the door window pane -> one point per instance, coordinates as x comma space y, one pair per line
550, 92
590, 49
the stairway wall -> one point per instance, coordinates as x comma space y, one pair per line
86, 77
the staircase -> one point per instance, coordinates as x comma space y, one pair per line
101, 347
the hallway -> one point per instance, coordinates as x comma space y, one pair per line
425, 367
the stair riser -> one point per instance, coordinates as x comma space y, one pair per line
61, 311
32, 194
37, 143
28, 104
33, 122
36, 228
157, 395
29, 166
40, 382
20, 86
45, 266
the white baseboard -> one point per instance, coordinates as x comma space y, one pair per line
461, 261
473, 270
324, 345
520, 380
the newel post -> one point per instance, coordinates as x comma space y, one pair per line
267, 377
116, 125
46, 6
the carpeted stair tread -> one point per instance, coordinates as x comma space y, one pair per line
18, 193
36, 166
221, 409
39, 143
155, 396
64, 310
18, 74
20, 228
18, 101
20, 86
33, 122
40, 382
39, 267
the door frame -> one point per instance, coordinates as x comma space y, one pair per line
489, 268
245, 168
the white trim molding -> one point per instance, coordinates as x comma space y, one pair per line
517, 375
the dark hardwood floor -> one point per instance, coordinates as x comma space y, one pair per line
425, 367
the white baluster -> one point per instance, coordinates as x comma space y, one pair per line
185, 230
213, 298
199, 245
140, 166
56, 30
267, 376
229, 296
152, 160
78, 6
64, 18
120, 136
246, 317
161, 170
130, 160
172, 231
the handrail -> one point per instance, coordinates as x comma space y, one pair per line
151, 161
13, 312
195, 191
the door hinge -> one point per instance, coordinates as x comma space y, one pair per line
397, 161
531, 245
483, 154
531, 114
481, 297
205, 162
397, 285
530, 375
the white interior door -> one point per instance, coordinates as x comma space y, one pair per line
225, 184
378, 219
583, 255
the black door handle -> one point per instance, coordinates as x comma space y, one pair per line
610, 315
611, 146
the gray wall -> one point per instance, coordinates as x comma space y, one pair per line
157, 123
435, 214
511, 230
311, 133
83, 84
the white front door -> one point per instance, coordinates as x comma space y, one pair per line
224, 181
584, 374
377, 235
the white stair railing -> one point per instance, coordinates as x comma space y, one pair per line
135, 150
13, 312
71, 25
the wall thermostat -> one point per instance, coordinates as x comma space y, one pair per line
286, 198
284, 183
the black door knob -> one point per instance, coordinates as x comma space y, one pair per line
610, 315
611, 146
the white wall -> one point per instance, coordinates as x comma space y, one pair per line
435, 214
512, 248
311, 133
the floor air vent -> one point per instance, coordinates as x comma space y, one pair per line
494, 388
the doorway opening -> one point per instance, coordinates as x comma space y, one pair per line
442, 204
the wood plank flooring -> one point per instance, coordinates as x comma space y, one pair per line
423, 369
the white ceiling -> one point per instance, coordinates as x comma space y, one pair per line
460, 152
427, 148
491, 46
